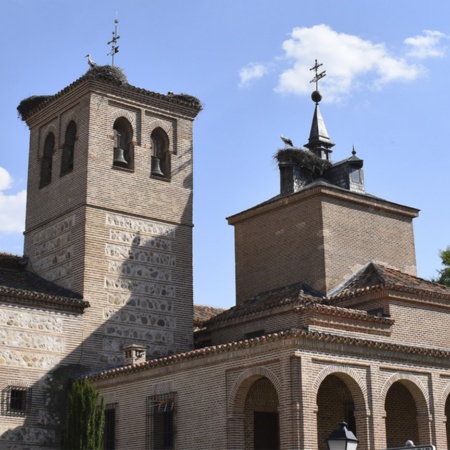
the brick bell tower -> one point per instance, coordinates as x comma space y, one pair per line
323, 226
109, 210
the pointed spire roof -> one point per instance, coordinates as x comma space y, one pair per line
319, 142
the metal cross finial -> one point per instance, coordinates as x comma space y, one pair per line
318, 76
113, 42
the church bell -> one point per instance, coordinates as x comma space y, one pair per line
118, 157
156, 168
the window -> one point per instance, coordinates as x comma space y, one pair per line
161, 156
16, 400
123, 149
160, 422
47, 160
254, 334
68, 149
356, 176
109, 433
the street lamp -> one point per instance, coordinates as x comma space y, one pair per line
342, 439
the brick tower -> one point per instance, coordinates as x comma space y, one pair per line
109, 210
322, 227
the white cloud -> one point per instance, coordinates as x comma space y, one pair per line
426, 46
251, 72
12, 206
5, 179
350, 62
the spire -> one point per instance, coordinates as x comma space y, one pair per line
319, 142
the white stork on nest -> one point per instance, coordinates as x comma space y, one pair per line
91, 62
286, 141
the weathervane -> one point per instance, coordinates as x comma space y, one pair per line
113, 42
318, 76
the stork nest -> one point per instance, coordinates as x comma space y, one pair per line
29, 104
303, 159
108, 73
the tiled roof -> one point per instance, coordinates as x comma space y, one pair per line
324, 337
18, 285
180, 99
297, 294
378, 276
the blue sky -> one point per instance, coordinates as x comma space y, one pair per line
386, 93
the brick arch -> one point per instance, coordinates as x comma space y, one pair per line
415, 386
357, 386
132, 120
50, 128
241, 386
167, 128
445, 393
117, 113
64, 123
419, 425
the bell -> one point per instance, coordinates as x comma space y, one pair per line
118, 157
156, 168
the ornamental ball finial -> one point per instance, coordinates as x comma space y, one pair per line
316, 96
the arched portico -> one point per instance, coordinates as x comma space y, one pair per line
340, 396
253, 422
406, 411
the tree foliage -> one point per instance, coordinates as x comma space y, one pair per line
86, 418
444, 274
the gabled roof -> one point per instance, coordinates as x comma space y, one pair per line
18, 285
295, 294
378, 276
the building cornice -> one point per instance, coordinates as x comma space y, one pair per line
313, 336
329, 191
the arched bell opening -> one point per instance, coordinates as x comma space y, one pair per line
123, 148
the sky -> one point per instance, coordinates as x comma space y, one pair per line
385, 93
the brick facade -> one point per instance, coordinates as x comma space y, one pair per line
330, 322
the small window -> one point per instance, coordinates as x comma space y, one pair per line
123, 148
160, 422
356, 176
69, 148
254, 334
47, 160
109, 434
16, 400
161, 155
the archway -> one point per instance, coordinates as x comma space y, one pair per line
261, 421
335, 404
406, 415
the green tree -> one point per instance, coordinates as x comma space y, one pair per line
444, 274
86, 418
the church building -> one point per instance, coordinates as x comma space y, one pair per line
331, 322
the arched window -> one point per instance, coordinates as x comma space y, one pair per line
123, 149
161, 156
68, 149
47, 160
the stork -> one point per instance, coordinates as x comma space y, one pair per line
286, 141
91, 62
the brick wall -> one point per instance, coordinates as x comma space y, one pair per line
319, 236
